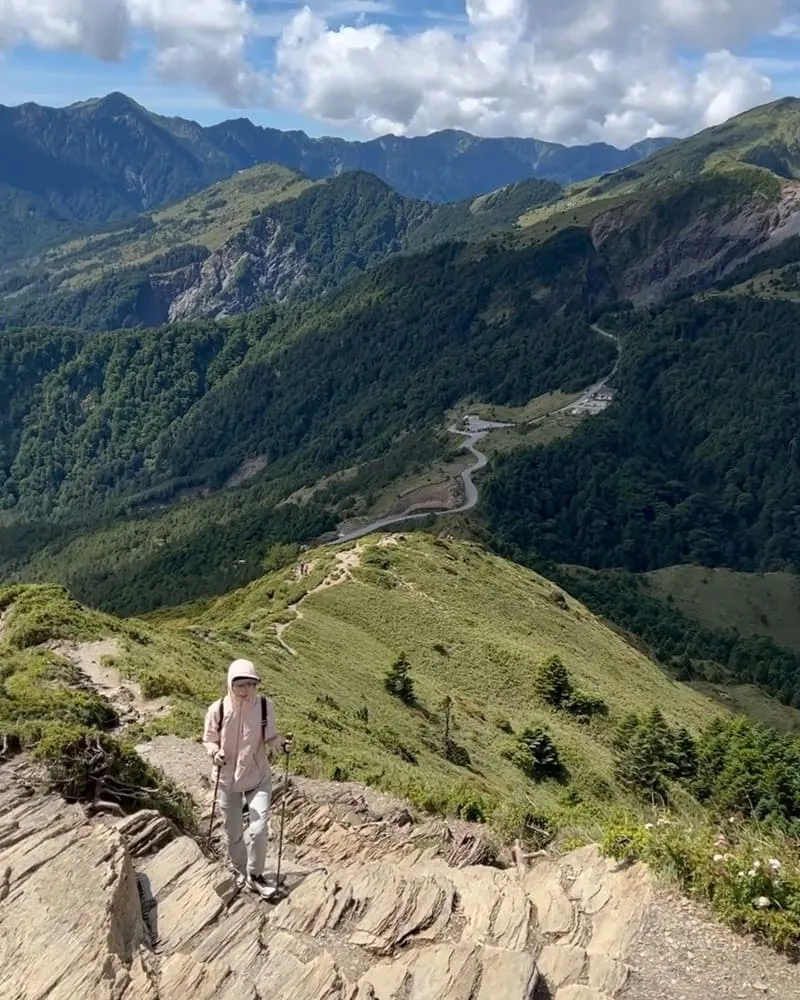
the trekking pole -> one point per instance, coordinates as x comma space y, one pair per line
283, 812
213, 807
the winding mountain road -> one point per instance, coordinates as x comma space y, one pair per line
477, 430
470, 493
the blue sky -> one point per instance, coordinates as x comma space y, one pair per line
493, 67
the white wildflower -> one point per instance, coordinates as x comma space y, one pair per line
648, 826
763, 903
775, 865
756, 865
718, 857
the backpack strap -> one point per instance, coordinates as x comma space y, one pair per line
221, 716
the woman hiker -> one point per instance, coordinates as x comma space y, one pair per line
238, 733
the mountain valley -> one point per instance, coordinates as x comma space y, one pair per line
210, 376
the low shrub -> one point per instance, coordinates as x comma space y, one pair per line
157, 684
84, 763
748, 874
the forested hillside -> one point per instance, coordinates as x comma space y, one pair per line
309, 390
695, 462
267, 235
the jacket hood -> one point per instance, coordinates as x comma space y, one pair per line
239, 670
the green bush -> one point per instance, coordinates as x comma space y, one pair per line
83, 762
553, 685
512, 821
534, 753
157, 684
585, 706
37, 689
748, 874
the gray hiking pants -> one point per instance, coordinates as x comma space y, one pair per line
247, 849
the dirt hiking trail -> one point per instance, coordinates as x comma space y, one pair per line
95, 660
345, 562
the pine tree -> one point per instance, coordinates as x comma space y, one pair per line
625, 731
552, 683
398, 680
683, 754
535, 753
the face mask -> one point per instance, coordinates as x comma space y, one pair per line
243, 688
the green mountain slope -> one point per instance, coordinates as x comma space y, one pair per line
754, 603
206, 219
424, 598
688, 215
265, 235
308, 391
765, 137
546, 725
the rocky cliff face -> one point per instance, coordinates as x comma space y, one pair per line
658, 250
245, 272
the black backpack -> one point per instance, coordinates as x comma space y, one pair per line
221, 716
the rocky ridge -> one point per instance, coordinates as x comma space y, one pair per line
246, 271
381, 906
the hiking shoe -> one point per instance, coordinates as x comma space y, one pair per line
259, 885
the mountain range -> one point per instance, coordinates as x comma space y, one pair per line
324, 332
66, 170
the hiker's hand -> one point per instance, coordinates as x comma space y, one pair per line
218, 758
288, 743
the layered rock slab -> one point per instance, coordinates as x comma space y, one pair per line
130, 910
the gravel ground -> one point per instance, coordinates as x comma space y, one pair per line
683, 954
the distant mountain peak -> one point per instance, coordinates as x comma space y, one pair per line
114, 104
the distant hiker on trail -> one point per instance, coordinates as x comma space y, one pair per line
238, 733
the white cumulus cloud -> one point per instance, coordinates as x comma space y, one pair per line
195, 41
570, 70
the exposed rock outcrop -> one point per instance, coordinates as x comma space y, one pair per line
130, 910
379, 908
653, 256
248, 270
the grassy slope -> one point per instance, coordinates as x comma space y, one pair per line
473, 627
754, 603
765, 136
754, 148
206, 219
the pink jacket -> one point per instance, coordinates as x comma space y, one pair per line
245, 747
